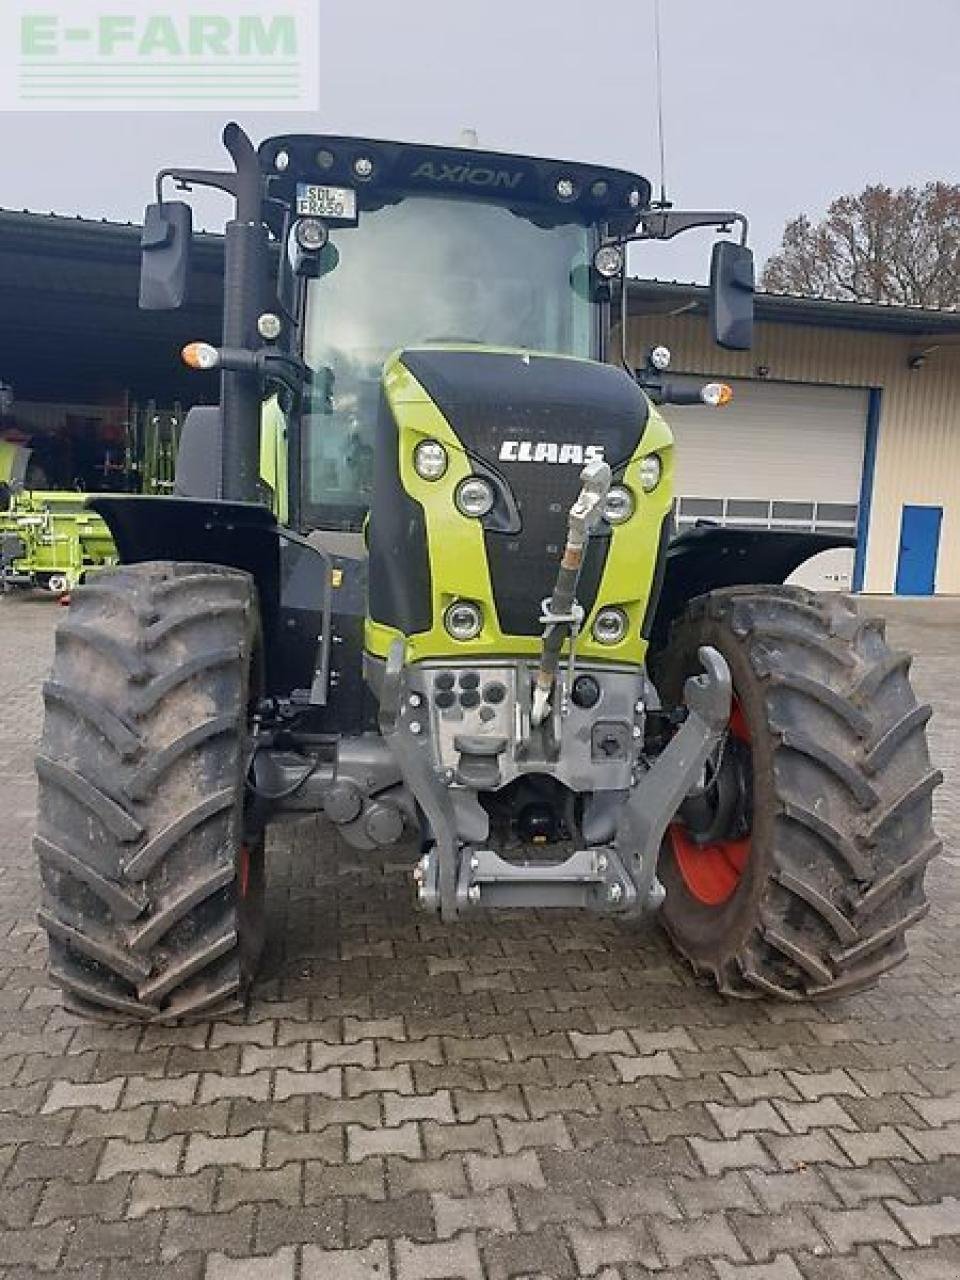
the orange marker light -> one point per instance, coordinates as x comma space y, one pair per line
200, 355
716, 394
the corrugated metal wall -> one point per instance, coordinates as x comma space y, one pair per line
918, 454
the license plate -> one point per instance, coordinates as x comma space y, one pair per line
335, 203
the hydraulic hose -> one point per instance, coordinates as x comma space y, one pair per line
561, 611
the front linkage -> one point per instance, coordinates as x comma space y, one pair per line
457, 872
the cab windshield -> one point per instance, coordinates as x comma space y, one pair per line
425, 270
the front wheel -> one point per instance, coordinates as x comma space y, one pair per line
797, 868
152, 886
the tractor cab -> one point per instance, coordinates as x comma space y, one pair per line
388, 246
346, 250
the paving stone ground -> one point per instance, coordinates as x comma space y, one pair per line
536, 1096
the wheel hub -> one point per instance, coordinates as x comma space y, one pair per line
711, 838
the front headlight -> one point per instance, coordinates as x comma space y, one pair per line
651, 469
430, 460
619, 506
463, 620
610, 625
474, 497
608, 261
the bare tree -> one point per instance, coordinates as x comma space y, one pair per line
882, 245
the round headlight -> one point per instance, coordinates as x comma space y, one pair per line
474, 497
610, 626
608, 261
281, 161
651, 469
430, 460
660, 358
311, 234
566, 188
619, 506
269, 326
363, 167
463, 620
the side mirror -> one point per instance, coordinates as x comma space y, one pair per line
731, 295
165, 255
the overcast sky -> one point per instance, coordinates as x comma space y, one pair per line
772, 106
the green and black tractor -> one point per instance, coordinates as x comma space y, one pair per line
418, 574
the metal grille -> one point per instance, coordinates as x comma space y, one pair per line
768, 513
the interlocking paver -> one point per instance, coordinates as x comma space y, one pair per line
410, 1216
203, 1150
398, 1107
763, 1235
875, 1181
708, 1237
751, 1118
279, 1266
884, 1144
371, 1263
595, 1250
868, 1225
782, 1267
515, 1135
63, 1199
521, 1170
730, 1153
826, 1113
457, 1259
250, 1186
65, 1095
133, 1157
291, 1084
940, 1262
142, 1090
399, 1140
926, 1223
185, 1191
507, 1099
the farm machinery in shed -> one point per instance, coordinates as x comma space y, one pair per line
50, 538
418, 575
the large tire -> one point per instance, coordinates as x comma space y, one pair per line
152, 890
839, 810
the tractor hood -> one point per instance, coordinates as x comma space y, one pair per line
531, 422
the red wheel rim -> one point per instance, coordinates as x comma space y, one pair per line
243, 871
712, 872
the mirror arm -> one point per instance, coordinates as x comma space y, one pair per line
243, 184
664, 224
186, 179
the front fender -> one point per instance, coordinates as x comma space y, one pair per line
707, 558
292, 577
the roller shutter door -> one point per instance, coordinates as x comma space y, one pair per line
781, 456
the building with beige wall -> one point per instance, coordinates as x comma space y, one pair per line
846, 417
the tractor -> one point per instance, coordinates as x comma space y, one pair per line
418, 573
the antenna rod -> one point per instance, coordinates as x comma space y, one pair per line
659, 60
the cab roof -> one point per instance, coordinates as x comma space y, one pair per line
555, 191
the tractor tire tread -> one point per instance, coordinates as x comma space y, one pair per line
149, 694
849, 795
